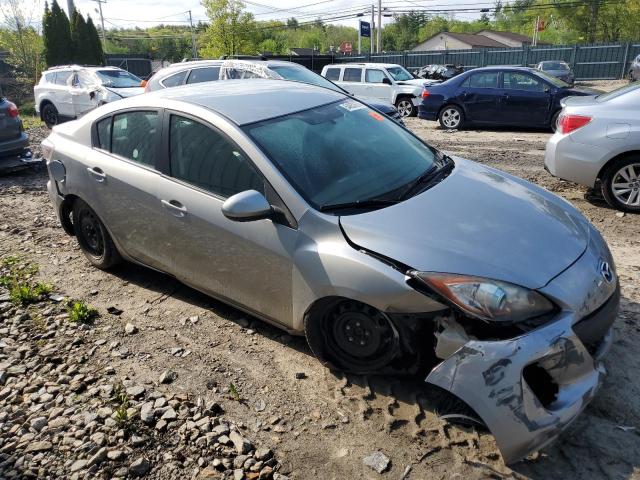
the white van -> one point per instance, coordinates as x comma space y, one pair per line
384, 81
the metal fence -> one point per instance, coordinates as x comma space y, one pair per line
589, 62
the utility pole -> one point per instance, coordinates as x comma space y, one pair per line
104, 38
379, 32
373, 29
71, 7
194, 50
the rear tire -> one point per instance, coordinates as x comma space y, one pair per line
621, 184
405, 107
554, 121
50, 115
451, 117
93, 237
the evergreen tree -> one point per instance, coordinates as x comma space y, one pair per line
57, 36
96, 44
83, 52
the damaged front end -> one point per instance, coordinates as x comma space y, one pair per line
528, 381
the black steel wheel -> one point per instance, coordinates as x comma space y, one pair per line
50, 115
358, 338
93, 238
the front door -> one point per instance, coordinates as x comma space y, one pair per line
480, 96
374, 84
246, 262
525, 100
84, 93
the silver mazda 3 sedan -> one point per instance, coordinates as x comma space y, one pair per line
311, 211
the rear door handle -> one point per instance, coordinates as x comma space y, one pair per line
97, 174
175, 207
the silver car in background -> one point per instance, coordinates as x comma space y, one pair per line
597, 143
315, 213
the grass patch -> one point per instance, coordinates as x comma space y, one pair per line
121, 400
31, 122
16, 275
80, 312
233, 391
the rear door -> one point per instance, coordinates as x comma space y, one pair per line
480, 96
121, 177
62, 93
84, 88
352, 80
245, 262
525, 100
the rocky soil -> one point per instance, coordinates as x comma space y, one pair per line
168, 383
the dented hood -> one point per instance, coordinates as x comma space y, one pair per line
477, 221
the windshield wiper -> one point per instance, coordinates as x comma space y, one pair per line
443, 165
369, 203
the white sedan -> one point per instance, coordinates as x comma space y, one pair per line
597, 142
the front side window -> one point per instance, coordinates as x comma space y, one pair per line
118, 79
342, 152
135, 135
399, 74
522, 81
483, 80
374, 76
174, 80
352, 75
200, 75
332, 74
62, 76
203, 157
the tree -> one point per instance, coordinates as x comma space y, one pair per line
56, 36
232, 30
97, 53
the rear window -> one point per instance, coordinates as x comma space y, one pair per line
208, 74
332, 74
174, 80
63, 76
352, 75
632, 87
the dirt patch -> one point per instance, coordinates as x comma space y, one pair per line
323, 424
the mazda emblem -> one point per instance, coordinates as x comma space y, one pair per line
605, 271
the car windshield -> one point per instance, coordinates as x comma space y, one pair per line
555, 66
301, 74
555, 81
603, 97
399, 74
343, 153
118, 79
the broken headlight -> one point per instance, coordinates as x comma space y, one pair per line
486, 299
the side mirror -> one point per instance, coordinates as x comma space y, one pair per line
247, 206
386, 81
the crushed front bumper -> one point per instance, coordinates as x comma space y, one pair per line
524, 413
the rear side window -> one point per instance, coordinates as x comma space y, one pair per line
332, 74
104, 134
174, 80
203, 157
352, 75
208, 74
482, 80
63, 76
135, 136
50, 77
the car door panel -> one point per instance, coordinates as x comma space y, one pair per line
480, 96
524, 100
374, 86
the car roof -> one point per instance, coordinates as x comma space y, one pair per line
503, 67
364, 64
177, 67
245, 101
79, 67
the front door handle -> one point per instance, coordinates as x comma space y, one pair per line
97, 174
175, 207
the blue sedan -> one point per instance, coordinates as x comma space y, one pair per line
497, 96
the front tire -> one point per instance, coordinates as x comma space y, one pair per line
451, 117
353, 337
50, 115
93, 237
621, 184
405, 107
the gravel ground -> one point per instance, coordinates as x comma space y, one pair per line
263, 385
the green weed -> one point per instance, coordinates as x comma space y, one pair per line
80, 312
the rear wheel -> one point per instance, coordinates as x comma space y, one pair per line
405, 107
93, 238
554, 121
50, 115
353, 337
621, 184
451, 117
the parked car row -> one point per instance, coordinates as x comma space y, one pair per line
302, 205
